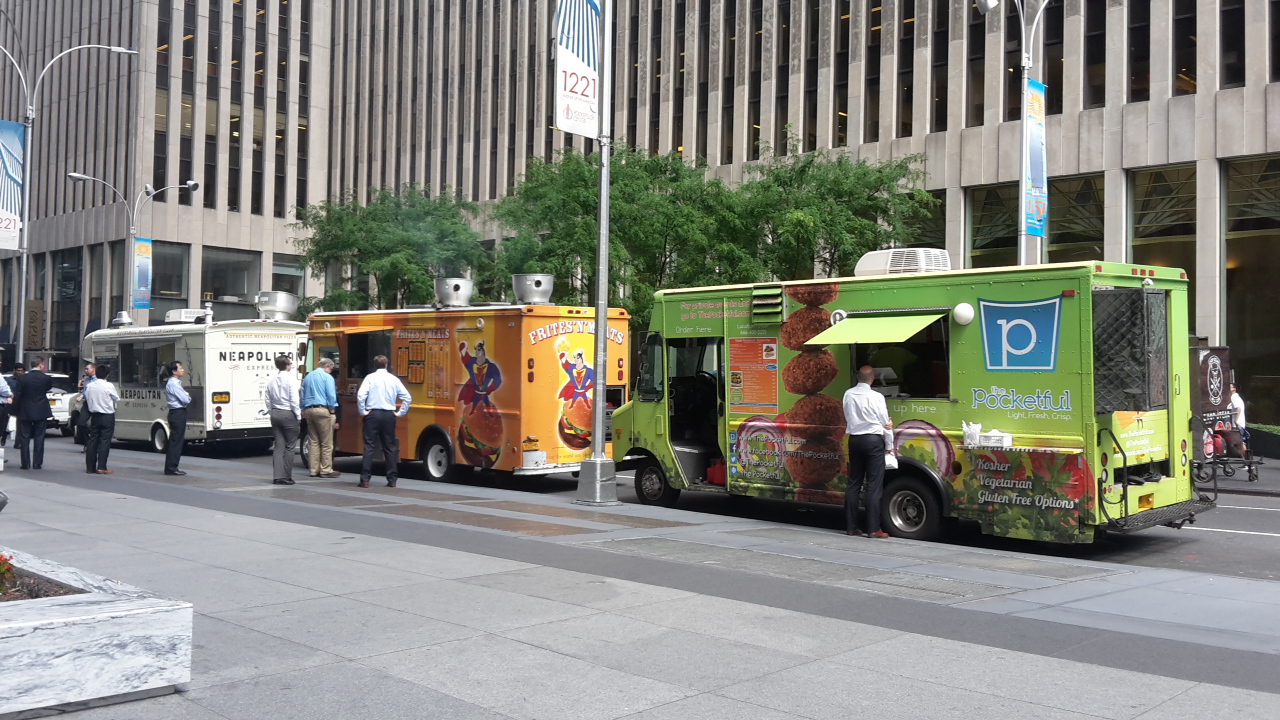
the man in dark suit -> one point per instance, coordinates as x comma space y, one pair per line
31, 403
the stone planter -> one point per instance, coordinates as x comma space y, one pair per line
114, 642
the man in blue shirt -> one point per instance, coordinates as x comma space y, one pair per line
320, 410
377, 404
178, 399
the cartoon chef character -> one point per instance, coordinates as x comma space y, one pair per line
484, 377
582, 379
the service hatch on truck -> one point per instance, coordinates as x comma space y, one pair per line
740, 391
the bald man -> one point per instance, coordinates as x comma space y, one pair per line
866, 418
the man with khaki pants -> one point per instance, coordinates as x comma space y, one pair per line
320, 409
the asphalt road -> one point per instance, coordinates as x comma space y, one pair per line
1241, 537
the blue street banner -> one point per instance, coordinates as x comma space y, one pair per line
11, 141
1036, 194
578, 67
142, 273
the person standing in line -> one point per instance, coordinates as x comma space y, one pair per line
177, 398
6, 398
81, 431
10, 410
286, 414
866, 418
100, 400
376, 402
320, 410
33, 414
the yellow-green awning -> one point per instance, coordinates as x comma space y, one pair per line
878, 329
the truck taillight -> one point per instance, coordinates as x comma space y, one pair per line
619, 363
620, 375
530, 363
1104, 459
530, 376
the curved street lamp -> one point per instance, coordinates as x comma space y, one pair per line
147, 193
29, 95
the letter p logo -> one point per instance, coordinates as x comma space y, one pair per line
1021, 336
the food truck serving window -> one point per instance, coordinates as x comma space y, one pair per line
649, 384
142, 363
362, 348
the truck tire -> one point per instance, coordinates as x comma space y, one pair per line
159, 439
437, 458
911, 509
69, 429
304, 448
652, 487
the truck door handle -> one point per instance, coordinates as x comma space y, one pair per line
721, 408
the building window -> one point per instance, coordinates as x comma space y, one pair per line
871, 92
906, 68
782, 80
1232, 43
186, 167
231, 280
1275, 40
940, 47
633, 73
233, 159
287, 274
1164, 221
677, 111
115, 249
281, 166
255, 190
1184, 47
704, 53
169, 269
841, 99
1095, 53
94, 321
1012, 63
235, 126
975, 80
38, 277
6, 305
993, 226
1253, 261
753, 80
1139, 50
164, 39
1075, 219
260, 56
1054, 27
811, 76
68, 280
728, 66
655, 77
212, 92
931, 231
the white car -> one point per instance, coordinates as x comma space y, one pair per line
60, 397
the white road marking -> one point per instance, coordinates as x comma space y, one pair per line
1237, 532
1246, 507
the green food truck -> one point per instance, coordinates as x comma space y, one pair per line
1078, 374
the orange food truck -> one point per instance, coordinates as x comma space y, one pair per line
497, 386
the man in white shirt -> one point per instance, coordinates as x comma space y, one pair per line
285, 407
866, 419
1236, 406
376, 402
100, 399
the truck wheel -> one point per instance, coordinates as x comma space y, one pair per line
69, 429
159, 439
652, 487
437, 459
911, 509
304, 449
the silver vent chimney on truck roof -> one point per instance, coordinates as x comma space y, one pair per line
453, 292
532, 288
276, 305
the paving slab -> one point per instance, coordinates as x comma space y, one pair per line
224, 652
346, 627
340, 691
576, 588
691, 660
481, 520
168, 707
471, 606
711, 707
434, 562
1114, 694
1214, 701
526, 682
328, 574
1177, 607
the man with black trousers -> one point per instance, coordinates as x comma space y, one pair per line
100, 399
866, 417
178, 399
32, 401
376, 402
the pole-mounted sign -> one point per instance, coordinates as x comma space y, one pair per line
1036, 193
11, 160
578, 68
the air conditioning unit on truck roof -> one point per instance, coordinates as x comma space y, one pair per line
900, 261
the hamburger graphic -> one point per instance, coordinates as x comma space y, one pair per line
480, 436
575, 425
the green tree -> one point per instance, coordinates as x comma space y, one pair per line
821, 212
402, 240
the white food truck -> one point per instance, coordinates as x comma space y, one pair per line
228, 364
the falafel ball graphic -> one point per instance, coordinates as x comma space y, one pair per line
802, 326
810, 372
815, 462
813, 295
815, 416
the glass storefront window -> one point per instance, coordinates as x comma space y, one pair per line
6, 311
1253, 264
993, 226
94, 320
116, 251
36, 291
231, 279
67, 288
1164, 222
169, 286
1075, 219
287, 274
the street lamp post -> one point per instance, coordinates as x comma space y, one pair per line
147, 193
1024, 151
29, 95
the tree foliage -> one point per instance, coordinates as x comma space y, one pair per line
401, 240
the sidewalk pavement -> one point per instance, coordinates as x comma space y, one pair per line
304, 620
1268, 482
